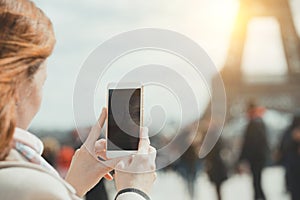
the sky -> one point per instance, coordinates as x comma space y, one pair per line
82, 25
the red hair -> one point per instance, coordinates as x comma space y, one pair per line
26, 40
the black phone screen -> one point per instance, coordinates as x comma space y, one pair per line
123, 119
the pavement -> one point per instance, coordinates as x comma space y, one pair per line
169, 185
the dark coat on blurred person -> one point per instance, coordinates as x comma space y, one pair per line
293, 165
290, 157
255, 148
215, 166
188, 164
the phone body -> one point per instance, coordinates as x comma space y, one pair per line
124, 119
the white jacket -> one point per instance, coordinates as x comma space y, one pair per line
23, 180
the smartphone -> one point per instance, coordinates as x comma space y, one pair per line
125, 118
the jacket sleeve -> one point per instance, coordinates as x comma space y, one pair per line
27, 183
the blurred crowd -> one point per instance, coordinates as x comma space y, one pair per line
254, 155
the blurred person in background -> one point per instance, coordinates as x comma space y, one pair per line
51, 148
26, 41
255, 147
64, 159
188, 168
188, 165
289, 157
216, 168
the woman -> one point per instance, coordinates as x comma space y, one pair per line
26, 40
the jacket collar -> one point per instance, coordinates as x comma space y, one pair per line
29, 140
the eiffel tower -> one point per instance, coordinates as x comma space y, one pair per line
276, 92
282, 93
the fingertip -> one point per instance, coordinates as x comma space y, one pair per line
102, 118
100, 145
101, 141
103, 113
104, 110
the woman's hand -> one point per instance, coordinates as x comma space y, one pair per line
137, 171
86, 170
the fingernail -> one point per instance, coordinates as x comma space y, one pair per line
108, 177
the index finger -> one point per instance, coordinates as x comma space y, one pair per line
144, 143
96, 129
